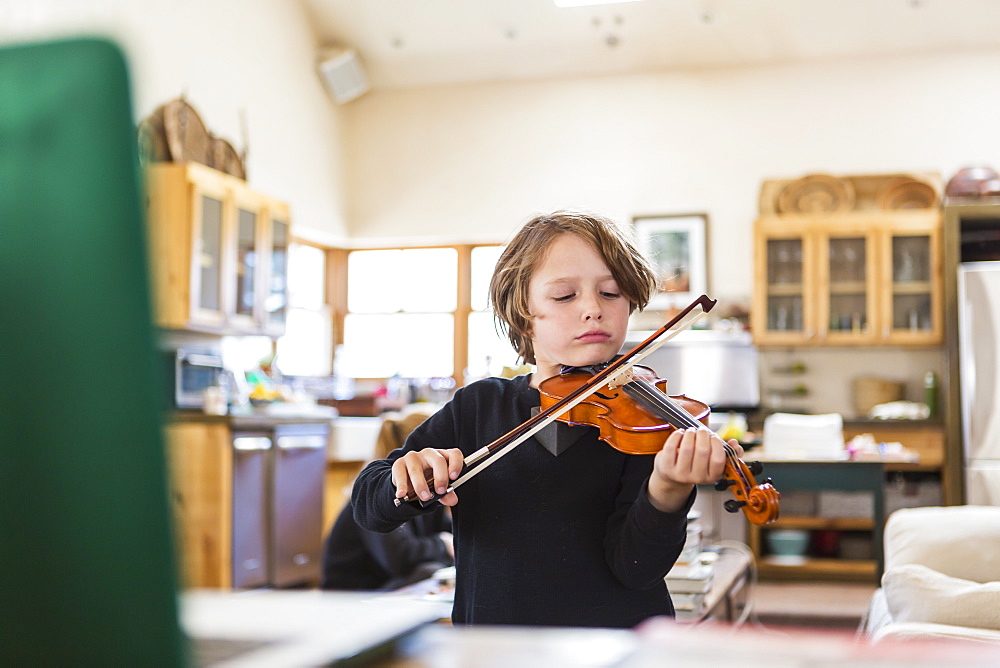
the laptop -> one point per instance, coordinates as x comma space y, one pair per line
86, 550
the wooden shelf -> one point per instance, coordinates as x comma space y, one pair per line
784, 289
840, 569
848, 288
811, 523
912, 287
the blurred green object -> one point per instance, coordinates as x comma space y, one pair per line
86, 555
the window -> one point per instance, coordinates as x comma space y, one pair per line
489, 351
400, 313
421, 313
306, 349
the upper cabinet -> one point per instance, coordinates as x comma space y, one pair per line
219, 252
850, 261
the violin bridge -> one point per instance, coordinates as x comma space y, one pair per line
620, 378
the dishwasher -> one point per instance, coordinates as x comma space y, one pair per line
278, 505
299, 459
251, 515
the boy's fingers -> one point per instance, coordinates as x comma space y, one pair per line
701, 457
415, 472
399, 479
737, 447
439, 465
456, 462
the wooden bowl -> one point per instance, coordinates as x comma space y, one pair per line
816, 193
904, 192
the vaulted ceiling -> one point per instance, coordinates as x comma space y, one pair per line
405, 43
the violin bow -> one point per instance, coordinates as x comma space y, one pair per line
536, 423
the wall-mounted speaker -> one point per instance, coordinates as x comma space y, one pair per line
343, 74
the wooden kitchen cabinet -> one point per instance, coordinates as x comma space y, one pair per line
853, 278
200, 460
219, 252
816, 478
803, 483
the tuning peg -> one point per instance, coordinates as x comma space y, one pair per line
724, 483
756, 468
733, 506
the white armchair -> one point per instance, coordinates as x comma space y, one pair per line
942, 575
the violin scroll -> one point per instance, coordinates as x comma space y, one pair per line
758, 501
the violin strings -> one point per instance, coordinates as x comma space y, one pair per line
678, 417
667, 408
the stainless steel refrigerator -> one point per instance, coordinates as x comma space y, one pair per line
979, 355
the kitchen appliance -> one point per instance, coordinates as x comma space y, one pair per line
252, 453
190, 372
979, 372
278, 504
719, 368
297, 503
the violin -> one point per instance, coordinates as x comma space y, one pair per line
758, 501
636, 417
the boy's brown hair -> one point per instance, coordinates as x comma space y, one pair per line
509, 285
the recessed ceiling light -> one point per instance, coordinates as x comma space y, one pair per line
587, 3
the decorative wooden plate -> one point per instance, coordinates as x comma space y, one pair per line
186, 134
816, 193
226, 159
904, 192
153, 138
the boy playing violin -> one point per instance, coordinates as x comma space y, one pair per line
563, 530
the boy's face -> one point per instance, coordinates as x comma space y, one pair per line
580, 316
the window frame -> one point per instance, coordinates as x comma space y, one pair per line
327, 307
337, 289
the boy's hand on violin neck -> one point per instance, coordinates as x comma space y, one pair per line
426, 473
689, 457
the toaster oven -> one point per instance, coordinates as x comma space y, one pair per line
192, 373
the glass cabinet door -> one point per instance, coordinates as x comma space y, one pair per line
276, 299
851, 280
785, 285
911, 294
848, 293
207, 256
246, 263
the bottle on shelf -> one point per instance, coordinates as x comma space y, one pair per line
931, 393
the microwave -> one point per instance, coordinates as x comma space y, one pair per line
191, 373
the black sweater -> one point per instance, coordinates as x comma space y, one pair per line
355, 558
539, 539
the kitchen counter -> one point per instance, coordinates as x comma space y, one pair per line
255, 419
930, 423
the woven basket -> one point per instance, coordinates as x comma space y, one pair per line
870, 392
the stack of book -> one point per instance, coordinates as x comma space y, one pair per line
688, 584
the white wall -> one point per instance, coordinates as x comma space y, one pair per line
471, 162
227, 57
475, 161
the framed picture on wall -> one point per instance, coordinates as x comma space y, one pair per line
678, 247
